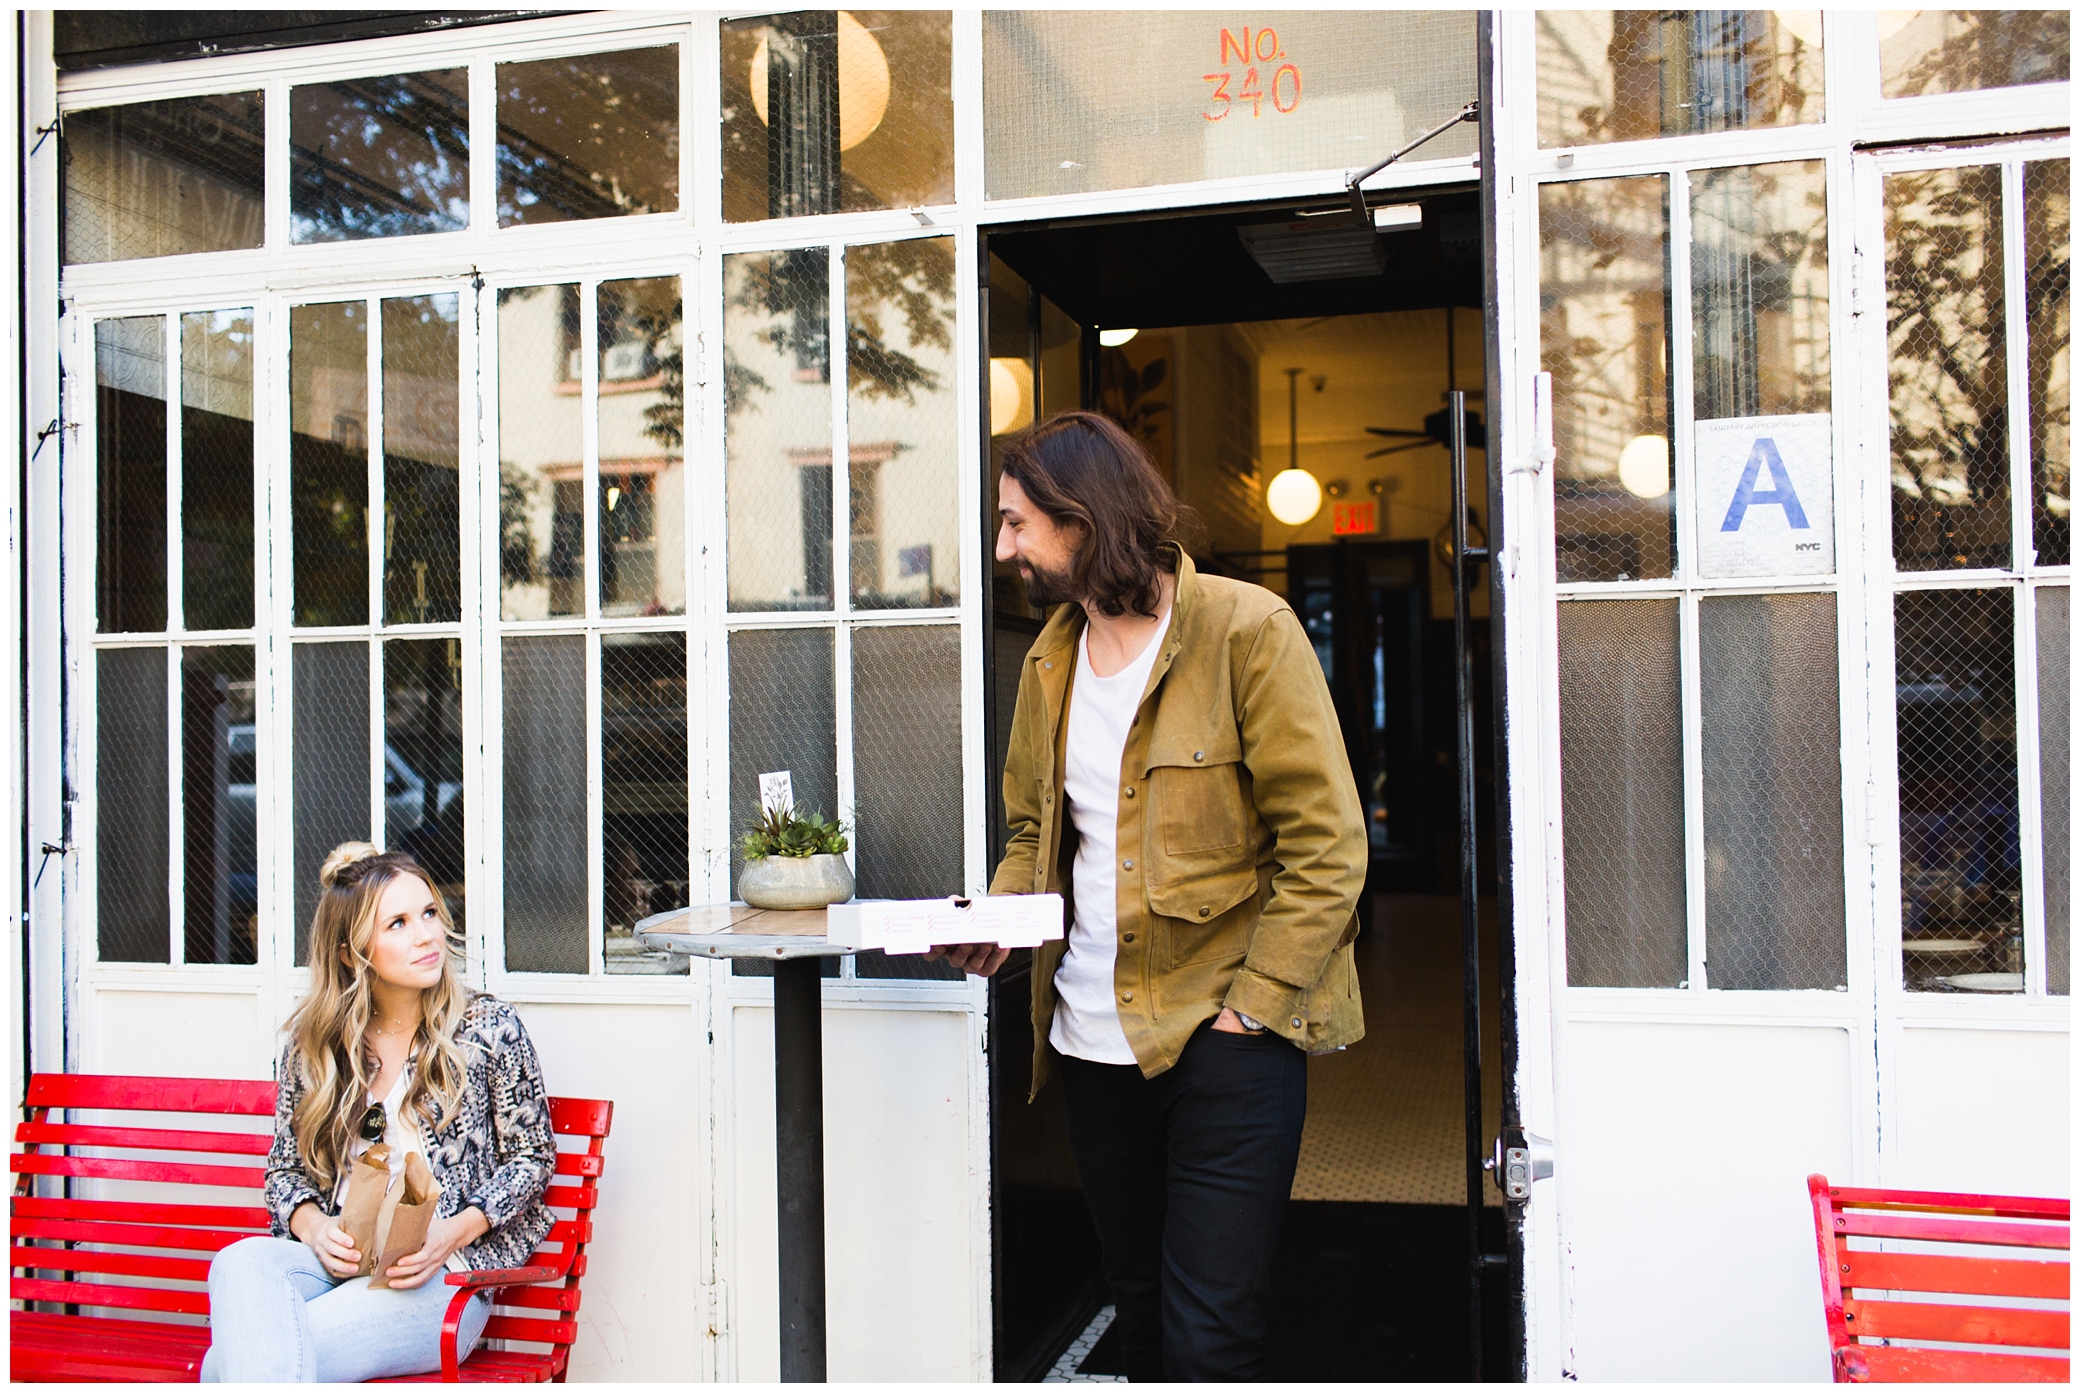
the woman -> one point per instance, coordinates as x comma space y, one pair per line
387, 1046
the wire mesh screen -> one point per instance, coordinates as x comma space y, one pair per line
1636, 74
383, 156
906, 770
328, 461
130, 467
643, 783
1971, 50
1603, 282
776, 383
1758, 289
1621, 774
220, 865
2055, 778
422, 529
594, 136
328, 766
782, 715
164, 178
543, 730
131, 842
642, 447
813, 123
905, 541
217, 469
1080, 100
1946, 332
1770, 679
1959, 812
2047, 249
422, 759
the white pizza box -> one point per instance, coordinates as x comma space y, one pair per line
914, 926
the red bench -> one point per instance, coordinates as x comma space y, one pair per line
1880, 1249
127, 1260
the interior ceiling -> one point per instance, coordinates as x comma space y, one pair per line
1151, 272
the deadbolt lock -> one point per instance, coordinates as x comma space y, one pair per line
1520, 1158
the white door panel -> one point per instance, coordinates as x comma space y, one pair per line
1983, 1111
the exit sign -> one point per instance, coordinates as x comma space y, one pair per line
1355, 519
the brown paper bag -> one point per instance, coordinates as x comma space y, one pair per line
407, 1213
367, 1187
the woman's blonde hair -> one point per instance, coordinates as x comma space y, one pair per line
329, 1028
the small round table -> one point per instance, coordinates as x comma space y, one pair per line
795, 942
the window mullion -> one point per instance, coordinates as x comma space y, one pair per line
378, 503
1682, 466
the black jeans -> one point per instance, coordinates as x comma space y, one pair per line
1187, 1176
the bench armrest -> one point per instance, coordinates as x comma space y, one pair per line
471, 1283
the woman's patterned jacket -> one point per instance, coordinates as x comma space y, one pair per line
496, 1152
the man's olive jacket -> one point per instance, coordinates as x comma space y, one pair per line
1241, 840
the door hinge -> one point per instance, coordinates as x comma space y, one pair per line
1859, 283
715, 1307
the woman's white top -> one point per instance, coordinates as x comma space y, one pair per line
403, 1135
1101, 711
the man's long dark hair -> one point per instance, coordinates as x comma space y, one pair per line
1087, 474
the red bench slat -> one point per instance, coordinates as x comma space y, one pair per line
1962, 1325
1992, 1206
109, 1168
145, 1093
121, 1264
151, 1138
1960, 1276
134, 1235
1980, 1231
236, 1216
1879, 1364
194, 1303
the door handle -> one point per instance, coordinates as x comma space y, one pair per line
1520, 1158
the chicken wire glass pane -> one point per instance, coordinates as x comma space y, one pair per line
2047, 272
218, 827
906, 774
835, 111
1946, 328
1959, 811
379, 156
163, 178
130, 468
217, 469
422, 461
541, 453
2055, 778
543, 731
1758, 290
1608, 75
1603, 282
1621, 778
901, 419
132, 849
643, 785
1770, 682
776, 377
422, 758
329, 766
1922, 52
595, 136
782, 715
642, 447
1079, 100
328, 461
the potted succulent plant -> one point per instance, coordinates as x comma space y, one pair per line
794, 861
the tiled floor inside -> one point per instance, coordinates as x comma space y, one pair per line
1386, 1117
1066, 1369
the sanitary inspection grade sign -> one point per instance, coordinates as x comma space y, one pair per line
1765, 496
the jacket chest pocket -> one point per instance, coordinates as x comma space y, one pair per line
1198, 807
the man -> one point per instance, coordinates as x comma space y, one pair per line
1176, 771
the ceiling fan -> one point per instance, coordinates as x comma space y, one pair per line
1437, 426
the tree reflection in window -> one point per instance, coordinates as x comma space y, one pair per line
379, 156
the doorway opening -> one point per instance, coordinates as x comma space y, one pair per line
1237, 346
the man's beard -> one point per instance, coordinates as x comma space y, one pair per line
1044, 587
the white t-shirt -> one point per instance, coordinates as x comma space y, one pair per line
1101, 710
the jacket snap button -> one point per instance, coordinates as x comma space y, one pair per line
1199, 755
1127, 937
1203, 911
1128, 864
1130, 793
1126, 996
1296, 1022
1048, 666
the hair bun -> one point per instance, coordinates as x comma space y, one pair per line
344, 855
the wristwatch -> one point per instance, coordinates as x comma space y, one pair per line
1250, 1023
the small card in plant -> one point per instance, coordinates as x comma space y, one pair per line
776, 791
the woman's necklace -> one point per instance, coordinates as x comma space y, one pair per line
399, 1031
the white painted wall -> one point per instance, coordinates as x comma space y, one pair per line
1982, 1111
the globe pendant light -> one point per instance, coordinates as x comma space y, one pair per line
863, 82
1294, 495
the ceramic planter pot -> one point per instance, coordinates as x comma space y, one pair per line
795, 882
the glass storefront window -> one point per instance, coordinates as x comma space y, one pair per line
379, 156
1077, 100
541, 453
163, 178
642, 447
328, 461
836, 111
776, 382
217, 469
1923, 52
595, 136
1606, 75
130, 429
1758, 290
422, 529
2047, 273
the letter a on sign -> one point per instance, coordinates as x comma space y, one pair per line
1764, 501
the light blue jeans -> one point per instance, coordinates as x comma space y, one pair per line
277, 1316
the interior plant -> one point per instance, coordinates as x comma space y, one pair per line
794, 860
